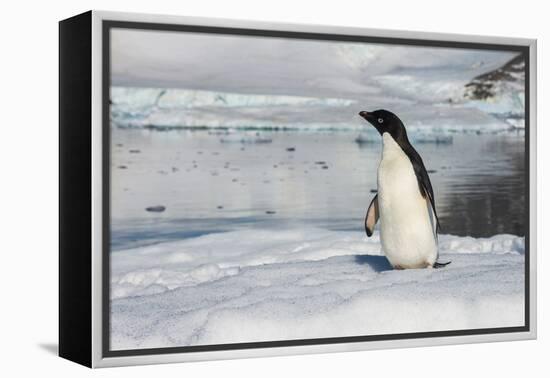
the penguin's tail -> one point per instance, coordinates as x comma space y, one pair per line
438, 265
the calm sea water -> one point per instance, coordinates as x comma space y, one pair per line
300, 179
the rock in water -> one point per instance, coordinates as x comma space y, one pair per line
364, 138
156, 209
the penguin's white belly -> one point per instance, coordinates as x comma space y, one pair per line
406, 227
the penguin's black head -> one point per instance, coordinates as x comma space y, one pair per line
385, 122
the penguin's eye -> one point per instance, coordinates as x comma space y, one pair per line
380, 120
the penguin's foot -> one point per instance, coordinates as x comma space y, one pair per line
438, 265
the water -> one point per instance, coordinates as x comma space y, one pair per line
300, 179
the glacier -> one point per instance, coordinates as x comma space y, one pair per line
165, 109
181, 108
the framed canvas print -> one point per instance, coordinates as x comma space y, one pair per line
233, 189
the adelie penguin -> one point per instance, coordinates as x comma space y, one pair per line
404, 204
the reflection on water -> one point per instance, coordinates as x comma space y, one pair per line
490, 199
312, 179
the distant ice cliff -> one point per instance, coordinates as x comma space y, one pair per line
493, 101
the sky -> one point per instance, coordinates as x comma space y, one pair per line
279, 66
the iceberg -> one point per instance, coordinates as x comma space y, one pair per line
432, 138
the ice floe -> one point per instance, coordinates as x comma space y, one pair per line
262, 285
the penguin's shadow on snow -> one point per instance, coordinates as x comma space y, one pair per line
377, 263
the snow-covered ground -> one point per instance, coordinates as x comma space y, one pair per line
264, 285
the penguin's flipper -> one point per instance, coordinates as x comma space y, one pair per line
373, 213
433, 213
433, 217
438, 265
424, 183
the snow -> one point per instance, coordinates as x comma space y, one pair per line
263, 285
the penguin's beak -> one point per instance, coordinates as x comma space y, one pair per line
366, 115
